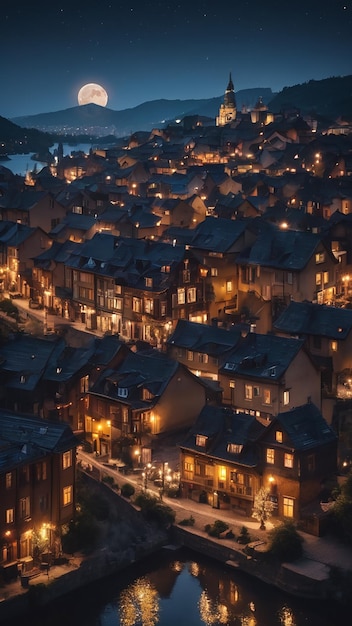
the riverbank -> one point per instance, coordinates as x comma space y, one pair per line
319, 578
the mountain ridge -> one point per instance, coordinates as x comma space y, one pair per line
144, 116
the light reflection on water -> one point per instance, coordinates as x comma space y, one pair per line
198, 593
184, 589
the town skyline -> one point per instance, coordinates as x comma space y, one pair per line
142, 53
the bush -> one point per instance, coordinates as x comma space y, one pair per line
285, 543
9, 308
217, 528
244, 536
154, 510
188, 521
127, 490
109, 480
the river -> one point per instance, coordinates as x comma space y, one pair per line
22, 163
181, 588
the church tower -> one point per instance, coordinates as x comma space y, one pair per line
227, 111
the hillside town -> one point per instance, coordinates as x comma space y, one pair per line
210, 263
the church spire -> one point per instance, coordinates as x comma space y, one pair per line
228, 109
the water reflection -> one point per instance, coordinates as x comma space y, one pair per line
188, 589
139, 604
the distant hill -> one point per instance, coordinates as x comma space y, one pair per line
331, 97
93, 119
15, 139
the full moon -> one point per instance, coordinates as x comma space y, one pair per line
92, 93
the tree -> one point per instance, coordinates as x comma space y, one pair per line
262, 507
285, 542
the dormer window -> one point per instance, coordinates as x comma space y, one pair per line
201, 441
148, 282
22, 379
58, 370
278, 436
234, 448
122, 392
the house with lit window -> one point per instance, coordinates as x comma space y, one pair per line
327, 331
37, 489
227, 456
267, 374
220, 461
31, 208
299, 451
217, 242
18, 244
202, 347
49, 378
146, 395
283, 265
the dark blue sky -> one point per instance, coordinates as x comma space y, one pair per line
147, 49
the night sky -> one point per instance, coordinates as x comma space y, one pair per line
147, 49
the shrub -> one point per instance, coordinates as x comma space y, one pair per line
244, 536
188, 521
217, 528
154, 510
285, 543
109, 480
127, 490
9, 308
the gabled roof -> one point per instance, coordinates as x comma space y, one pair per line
25, 358
305, 427
218, 234
306, 318
25, 438
203, 338
151, 370
262, 356
231, 437
281, 249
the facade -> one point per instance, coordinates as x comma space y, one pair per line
227, 456
37, 487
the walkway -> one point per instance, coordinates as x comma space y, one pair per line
319, 550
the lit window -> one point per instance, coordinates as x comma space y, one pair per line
8, 480
234, 448
213, 271
67, 495
137, 305
181, 296
288, 507
320, 257
232, 384
201, 441
288, 460
286, 397
334, 346
266, 396
189, 355
10, 516
278, 436
318, 278
148, 282
191, 294
222, 472
326, 277
228, 286
67, 459
248, 392
270, 455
